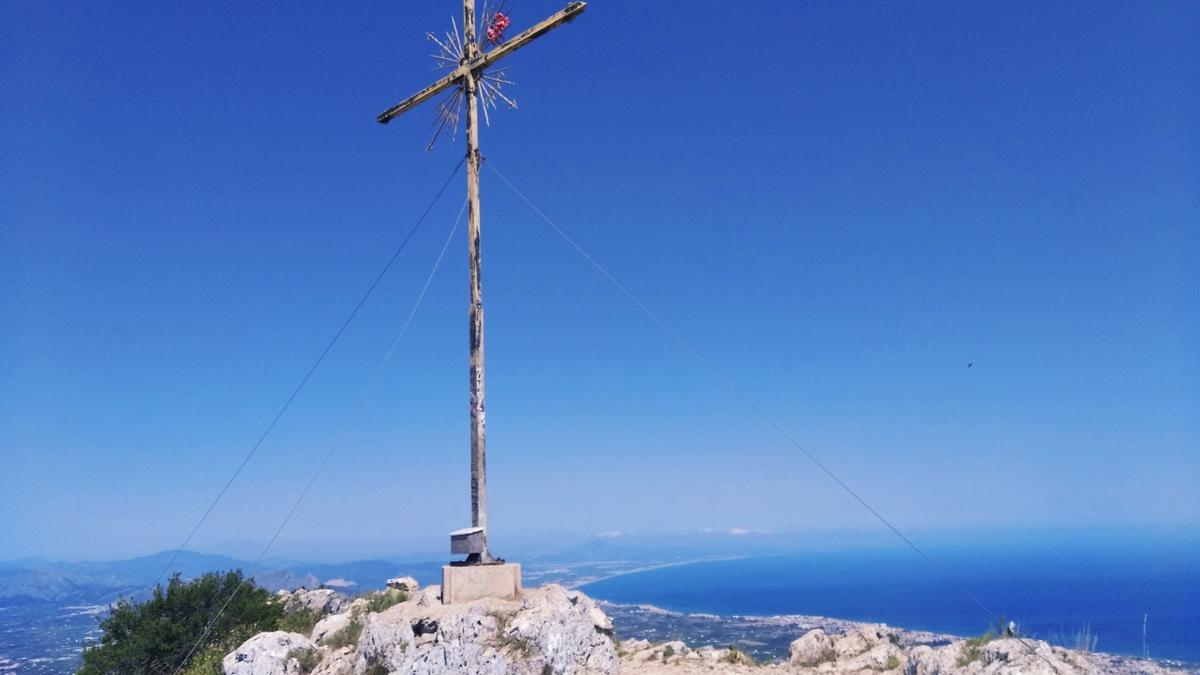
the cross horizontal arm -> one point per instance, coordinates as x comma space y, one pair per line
421, 96
565, 15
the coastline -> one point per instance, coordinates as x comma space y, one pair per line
1057, 599
767, 637
580, 583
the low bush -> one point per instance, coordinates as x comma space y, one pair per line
300, 621
307, 659
346, 636
182, 626
207, 662
736, 656
973, 647
377, 602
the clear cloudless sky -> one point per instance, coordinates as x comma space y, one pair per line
843, 205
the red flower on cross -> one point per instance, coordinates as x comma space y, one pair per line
495, 30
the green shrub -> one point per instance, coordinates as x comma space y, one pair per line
377, 602
736, 656
972, 647
893, 662
207, 662
158, 634
300, 621
517, 643
346, 636
502, 619
307, 659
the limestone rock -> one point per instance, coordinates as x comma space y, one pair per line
336, 662
812, 648
384, 643
860, 641
675, 647
879, 658
330, 625
927, 660
406, 584
869, 648
266, 654
1009, 656
675, 651
322, 601
354, 607
430, 596
465, 642
562, 634
676, 658
1031, 657
877, 650
548, 631
599, 619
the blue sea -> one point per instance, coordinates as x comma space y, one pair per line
1053, 593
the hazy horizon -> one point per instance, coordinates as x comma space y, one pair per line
699, 543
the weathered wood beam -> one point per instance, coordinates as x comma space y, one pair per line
421, 96
565, 15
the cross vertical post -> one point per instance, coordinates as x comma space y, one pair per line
475, 313
469, 58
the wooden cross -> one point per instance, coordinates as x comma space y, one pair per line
466, 76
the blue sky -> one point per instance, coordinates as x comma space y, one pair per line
841, 204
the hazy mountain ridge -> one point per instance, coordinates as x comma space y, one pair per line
34, 580
39, 580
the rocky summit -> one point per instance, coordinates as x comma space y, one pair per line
554, 631
549, 630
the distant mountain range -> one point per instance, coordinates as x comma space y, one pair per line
545, 558
33, 580
36, 580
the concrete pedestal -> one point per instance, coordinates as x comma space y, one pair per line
471, 582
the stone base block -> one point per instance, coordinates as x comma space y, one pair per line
472, 582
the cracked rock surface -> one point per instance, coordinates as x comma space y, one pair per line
870, 649
548, 631
554, 631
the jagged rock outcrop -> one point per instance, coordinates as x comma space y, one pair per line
406, 584
549, 631
1009, 656
336, 661
812, 648
553, 631
430, 596
676, 658
329, 625
267, 654
321, 600
871, 650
